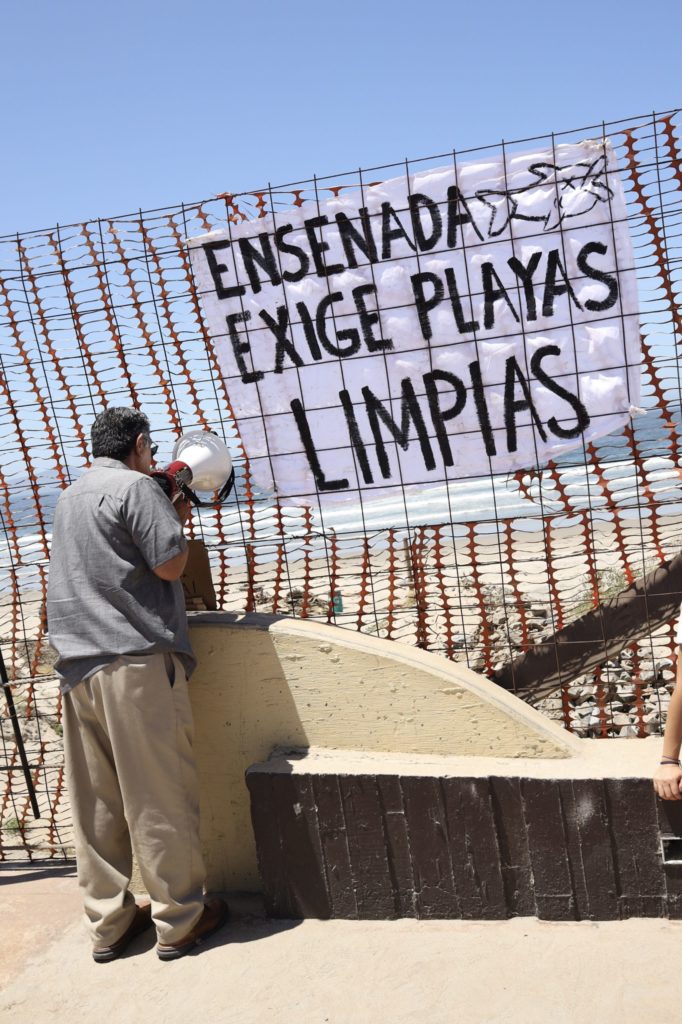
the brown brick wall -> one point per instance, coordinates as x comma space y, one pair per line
382, 846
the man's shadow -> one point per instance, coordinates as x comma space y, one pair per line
248, 923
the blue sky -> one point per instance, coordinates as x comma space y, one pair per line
108, 107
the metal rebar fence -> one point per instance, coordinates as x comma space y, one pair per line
479, 569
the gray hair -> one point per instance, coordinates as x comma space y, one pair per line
115, 432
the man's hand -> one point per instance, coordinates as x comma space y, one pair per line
668, 782
182, 506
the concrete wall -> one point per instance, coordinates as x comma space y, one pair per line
266, 682
364, 836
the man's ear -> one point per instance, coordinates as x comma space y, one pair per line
140, 442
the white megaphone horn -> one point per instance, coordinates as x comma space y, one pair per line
202, 462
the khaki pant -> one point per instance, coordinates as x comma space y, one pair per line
133, 786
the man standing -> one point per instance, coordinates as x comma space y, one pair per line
117, 620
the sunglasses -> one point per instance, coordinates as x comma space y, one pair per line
153, 447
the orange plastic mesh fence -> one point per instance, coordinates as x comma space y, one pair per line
107, 313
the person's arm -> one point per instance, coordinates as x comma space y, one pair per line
156, 528
668, 778
174, 567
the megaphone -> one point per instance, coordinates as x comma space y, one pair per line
201, 462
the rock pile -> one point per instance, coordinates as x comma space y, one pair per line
620, 699
627, 696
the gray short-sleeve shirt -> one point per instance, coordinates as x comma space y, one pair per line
112, 528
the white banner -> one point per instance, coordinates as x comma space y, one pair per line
444, 325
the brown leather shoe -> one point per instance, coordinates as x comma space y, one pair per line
215, 915
140, 922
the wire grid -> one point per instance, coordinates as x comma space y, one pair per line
107, 312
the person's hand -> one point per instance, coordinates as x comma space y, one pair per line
668, 782
183, 507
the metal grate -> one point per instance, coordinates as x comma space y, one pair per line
107, 312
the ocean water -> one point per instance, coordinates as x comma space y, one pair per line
483, 500
487, 499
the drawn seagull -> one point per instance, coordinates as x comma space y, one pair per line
569, 191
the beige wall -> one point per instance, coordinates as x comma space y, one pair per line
265, 681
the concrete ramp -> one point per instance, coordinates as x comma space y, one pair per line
268, 682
